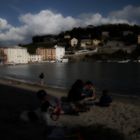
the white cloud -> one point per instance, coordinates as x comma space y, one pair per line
48, 22
130, 13
45, 22
98, 19
4, 24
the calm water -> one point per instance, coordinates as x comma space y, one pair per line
118, 78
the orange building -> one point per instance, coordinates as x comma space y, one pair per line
47, 53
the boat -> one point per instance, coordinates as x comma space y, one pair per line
124, 61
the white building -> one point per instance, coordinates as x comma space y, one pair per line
138, 39
60, 52
16, 55
74, 42
96, 42
35, 58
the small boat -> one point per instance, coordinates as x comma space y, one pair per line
124, 61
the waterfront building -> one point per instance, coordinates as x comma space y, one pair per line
46, 53
60, 52
139, 39
2, 56
34, 58
16, 55
50, 54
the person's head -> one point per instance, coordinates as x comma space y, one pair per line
105, 92
78, 83
88, 84
42, 94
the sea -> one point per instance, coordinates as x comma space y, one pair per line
118, 78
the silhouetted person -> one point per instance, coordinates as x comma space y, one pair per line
105, 99
75, 93
89, 91
41, 76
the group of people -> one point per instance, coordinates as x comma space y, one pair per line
81, 91
80, 95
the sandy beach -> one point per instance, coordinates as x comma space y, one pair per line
123, 116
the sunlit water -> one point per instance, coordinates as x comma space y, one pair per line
121, 78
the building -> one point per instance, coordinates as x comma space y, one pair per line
73, 42
139, 39
96, 42
67, 36
50, 54
60, 52
105, 34
125, 33
2, 56
34, 58
46, 53
16, 55
86, 42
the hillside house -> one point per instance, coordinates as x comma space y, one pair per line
73, 42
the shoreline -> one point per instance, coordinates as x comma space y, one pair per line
62, 92
123, 115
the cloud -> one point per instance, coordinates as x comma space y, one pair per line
49, 22
44, 22
129, 13
98, 19
4, 25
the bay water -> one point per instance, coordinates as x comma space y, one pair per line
119, 78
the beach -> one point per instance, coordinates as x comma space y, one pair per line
122, 117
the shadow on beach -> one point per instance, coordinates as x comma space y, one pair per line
14, 100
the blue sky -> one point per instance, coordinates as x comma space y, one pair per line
21, 19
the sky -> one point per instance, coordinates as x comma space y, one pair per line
22, 19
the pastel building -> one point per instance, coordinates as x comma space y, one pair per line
46, 53
16, 55
2, 56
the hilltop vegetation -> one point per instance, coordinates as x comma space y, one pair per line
128, 34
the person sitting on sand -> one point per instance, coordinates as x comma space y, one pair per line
45, 112
79, 94
75, 93
88, 92
105, 100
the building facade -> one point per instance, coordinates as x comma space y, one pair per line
74, 42
46, 53
139, 39
34, 58
60, 52
16, 55
3, 56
